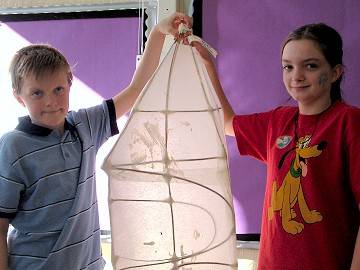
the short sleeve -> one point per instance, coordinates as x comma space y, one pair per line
112, 115
96, 124
11, 186
251, 134
352, 130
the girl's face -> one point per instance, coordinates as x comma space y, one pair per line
46, 98
308, 76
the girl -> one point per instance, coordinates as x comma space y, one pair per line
310, 213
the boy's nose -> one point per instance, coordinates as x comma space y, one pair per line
49, 100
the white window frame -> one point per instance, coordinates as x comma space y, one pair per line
155, 9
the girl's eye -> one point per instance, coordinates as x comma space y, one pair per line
287, 67
311, 66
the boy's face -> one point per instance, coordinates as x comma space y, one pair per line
46, 98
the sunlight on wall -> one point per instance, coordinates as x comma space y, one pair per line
10, 110
81, 96
79, 90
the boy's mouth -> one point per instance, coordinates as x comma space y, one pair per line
53, 111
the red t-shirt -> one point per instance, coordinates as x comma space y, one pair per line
311, 216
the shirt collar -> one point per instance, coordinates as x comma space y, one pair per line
25, 125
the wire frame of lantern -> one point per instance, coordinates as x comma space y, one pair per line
170, 199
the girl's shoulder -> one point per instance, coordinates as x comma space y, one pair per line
345, 110
350, 108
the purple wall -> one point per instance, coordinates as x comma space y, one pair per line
248, 36
103, 50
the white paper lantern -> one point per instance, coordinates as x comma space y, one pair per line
170, 198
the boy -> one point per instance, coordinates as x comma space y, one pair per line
47, 164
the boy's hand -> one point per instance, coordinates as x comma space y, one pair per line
170, 25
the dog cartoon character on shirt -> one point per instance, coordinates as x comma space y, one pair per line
290, 192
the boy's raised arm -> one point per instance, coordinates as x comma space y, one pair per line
149, 62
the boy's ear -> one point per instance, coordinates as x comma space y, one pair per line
18, 98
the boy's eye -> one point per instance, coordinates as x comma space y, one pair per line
37, 93
58, 90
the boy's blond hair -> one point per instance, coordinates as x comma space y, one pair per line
36, 59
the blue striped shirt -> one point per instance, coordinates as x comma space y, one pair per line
48, 191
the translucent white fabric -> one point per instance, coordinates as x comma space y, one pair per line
170, 199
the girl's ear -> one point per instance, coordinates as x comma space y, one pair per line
18, 98
337, 71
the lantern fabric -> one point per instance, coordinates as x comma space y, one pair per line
170, 199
